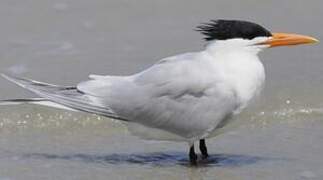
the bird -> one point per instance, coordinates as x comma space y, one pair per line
187, 97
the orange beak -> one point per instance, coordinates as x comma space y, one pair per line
286, 39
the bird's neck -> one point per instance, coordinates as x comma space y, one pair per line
231, 46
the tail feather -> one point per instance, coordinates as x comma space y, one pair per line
38, 101
64, 95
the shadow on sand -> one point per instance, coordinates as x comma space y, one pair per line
156, 159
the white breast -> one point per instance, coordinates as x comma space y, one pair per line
245, 73
238, 65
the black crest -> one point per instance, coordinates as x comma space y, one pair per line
229, 29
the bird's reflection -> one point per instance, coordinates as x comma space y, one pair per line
155, 159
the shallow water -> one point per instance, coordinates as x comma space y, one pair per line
278, 137
41, 143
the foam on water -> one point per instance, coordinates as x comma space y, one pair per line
13, 117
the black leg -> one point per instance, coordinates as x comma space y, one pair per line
193, 156
203, 149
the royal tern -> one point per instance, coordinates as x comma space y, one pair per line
186, 97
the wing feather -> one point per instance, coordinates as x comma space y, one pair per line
65, 95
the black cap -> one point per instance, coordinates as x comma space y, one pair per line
229, 29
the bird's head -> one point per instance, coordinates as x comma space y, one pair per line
236, 33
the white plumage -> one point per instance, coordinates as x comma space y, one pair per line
187, 95
183, 98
